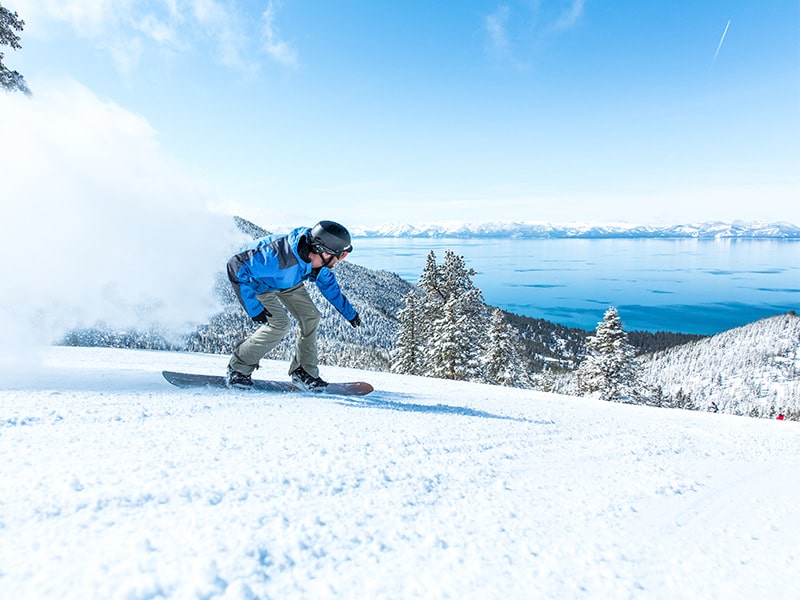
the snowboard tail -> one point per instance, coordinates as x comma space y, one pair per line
193, 380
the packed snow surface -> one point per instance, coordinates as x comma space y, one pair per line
116, 485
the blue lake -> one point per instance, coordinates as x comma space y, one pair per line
691, 286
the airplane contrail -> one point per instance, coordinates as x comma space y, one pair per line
722, 39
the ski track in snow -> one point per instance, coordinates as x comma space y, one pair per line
115, 484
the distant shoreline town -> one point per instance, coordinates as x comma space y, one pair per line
521, 230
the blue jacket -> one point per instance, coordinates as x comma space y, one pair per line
274, 263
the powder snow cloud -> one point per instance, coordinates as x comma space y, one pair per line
98, 225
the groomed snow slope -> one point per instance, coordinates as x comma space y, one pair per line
116, 485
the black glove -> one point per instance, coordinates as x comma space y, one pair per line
355, 321
261, 318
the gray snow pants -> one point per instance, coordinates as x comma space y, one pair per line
246, 355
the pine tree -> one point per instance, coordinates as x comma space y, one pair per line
446, 333
430, 304
544, 381
609, 368
501, 360
408, 355
416, 322
452, 348
457, 335
430, 280
10, 22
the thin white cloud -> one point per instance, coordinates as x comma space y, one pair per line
279, 50
157, 29
497, 32
127, 29
517, 28
570, 17
225, 25
89, 18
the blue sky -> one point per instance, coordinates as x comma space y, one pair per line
375, 112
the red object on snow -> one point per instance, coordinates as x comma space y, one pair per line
781, 417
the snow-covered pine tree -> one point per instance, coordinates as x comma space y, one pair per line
501, 360
610, 366
433, 297
544, 381
454, 346
416, 321
458, 324
442, 329
408, 354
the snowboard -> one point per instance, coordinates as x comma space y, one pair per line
192, 380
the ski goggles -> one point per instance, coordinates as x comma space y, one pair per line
338, 255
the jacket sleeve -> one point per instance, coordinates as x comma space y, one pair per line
249, 300
327, 284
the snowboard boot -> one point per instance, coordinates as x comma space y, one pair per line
302, 379
238, 380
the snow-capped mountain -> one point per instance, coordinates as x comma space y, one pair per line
527, 230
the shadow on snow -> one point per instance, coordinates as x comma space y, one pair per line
398, 402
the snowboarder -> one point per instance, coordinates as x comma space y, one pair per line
268, 278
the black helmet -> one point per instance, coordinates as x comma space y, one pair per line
330, 238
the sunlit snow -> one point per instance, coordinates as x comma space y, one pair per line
116, 485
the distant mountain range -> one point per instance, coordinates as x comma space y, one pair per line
523, 230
